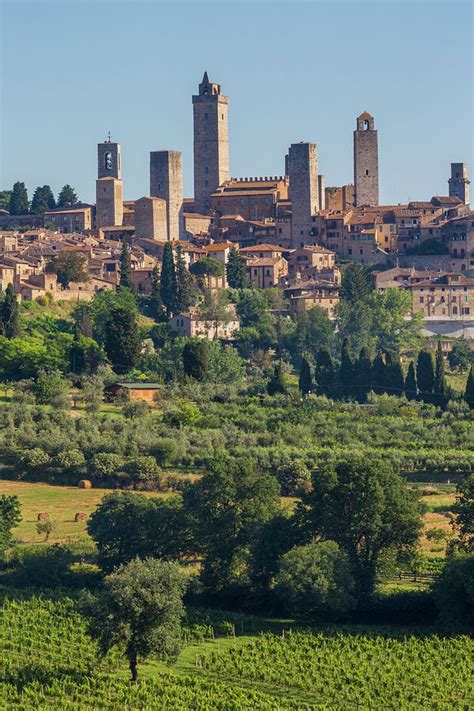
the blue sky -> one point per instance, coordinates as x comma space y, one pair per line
294, 70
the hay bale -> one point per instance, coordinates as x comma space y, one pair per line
80, 516
85, 484
43, 516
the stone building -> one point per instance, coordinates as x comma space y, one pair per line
251, 198
166, 182
302, 170
71, 219
109, 191
339, 198
450, 296
266, 273
150, 219
366, 162
459, 182
211, 142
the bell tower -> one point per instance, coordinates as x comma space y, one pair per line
109, 191
211, 142
366, 162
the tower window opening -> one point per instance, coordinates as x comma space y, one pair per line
366, 172
366, 125
206, 116
108, 161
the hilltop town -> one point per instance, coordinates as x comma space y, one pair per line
292, 231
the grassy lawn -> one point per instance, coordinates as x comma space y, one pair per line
61, 502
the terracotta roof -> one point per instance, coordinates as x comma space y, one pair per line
218, 247
406, 213
365, 115
262, 248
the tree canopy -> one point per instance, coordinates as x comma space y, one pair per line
140, 609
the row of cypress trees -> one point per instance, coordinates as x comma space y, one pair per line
355, 378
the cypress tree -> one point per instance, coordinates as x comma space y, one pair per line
156, 304
122, 339
182, 282
305, 382
356, 284
425, 372
363, 375
126, 267
168, 284
196, 359
277, 382
235, 269
394, 379
43, 199
77, 355
325, 374
379, 375
411, 387
10, 314
67, 197
19, 203
440, 388
346, 371
469, 392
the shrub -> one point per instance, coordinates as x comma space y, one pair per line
454, 591
41, 565
315, 581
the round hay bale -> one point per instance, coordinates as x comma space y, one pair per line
43, 516
80, 516
85, 484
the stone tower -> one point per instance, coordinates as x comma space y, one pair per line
211, 142
166, 182
366, 162
302, 170
109, 192
150, 218
459, 182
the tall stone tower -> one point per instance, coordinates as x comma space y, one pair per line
366, 162
166, 182
109, 191
302, 170
211, 142
459, 182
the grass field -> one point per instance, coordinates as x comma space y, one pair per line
61, 502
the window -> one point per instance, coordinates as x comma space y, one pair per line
367, 172
422, 299
108, 161
455, 309
267, 272
465, 311
206, 116
206, 183
206, 170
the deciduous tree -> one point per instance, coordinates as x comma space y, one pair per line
139, 609
366, 507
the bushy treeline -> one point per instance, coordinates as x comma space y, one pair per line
319, 560
356, 377
287, 438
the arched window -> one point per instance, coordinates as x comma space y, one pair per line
366, 125
367, 171
108, 161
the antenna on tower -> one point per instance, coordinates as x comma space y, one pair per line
108, 138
